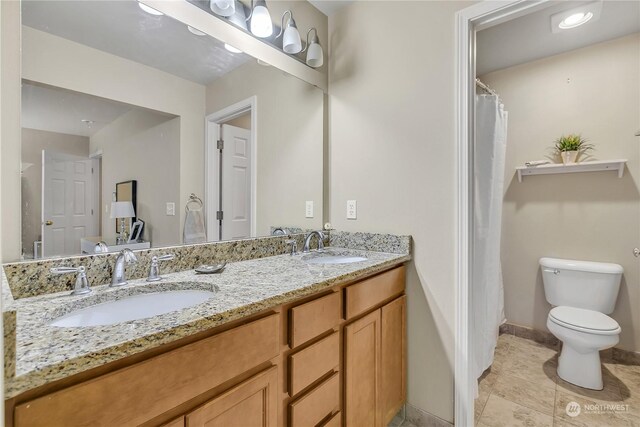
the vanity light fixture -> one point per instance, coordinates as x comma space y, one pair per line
315, 55
575, 17
291, 42
223, 7
195, 31
149, 9
260, 25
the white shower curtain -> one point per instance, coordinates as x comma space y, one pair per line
487, 293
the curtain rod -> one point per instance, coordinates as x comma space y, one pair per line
486, 88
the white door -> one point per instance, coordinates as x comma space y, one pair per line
235, 186
67, 214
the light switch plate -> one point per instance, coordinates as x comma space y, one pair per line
171, 208
352, 209
308, 210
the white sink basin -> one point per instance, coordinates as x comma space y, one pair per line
330, 258
133, 307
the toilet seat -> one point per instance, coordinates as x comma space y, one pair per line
582, 320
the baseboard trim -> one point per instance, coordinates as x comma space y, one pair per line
420, 418
546, 338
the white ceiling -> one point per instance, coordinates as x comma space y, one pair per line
121, 28
329, 7
529, 37
59, 110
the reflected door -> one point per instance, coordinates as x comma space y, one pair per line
235, 186
67, 214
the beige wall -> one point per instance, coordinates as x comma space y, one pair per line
143, 146
59, 62
392, 148
594, 91
33, 142
290, 138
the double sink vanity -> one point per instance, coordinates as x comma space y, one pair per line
274, 339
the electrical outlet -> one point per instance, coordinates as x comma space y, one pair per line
171, 208
308, 210
352, 209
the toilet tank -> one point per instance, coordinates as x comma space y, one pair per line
581, 284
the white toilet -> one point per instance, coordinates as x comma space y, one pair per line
582, 293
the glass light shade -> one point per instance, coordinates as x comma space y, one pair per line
231, 48
261, 25
122, 210
150, 10
315, 56
291, 40
223, 7
195, 31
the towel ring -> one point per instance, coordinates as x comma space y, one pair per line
193, 199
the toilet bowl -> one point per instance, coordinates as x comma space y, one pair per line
582, 294
583, 334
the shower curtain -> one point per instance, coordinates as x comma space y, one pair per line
487, 293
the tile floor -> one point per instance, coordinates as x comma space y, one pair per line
522, 389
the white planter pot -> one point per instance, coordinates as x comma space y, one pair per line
569, 157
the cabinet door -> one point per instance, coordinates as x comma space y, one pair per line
362, 371
393, 355
251, 404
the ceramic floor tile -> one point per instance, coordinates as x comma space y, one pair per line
485, 385
530, 348
533, 368
592, 412
525, 393
500, 412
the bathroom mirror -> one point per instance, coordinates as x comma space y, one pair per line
112, 93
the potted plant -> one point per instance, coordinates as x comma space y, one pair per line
570, 147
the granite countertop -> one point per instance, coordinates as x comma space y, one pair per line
46, 353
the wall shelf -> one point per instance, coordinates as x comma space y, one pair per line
556, 168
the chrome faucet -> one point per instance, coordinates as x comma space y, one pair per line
154, 271
126, 256
307, 241
82, 283
294, 246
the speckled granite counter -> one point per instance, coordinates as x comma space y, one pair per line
45, 353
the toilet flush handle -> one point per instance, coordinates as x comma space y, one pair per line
636, 252
554, 271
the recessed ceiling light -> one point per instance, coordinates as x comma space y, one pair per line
576, 17
194, 31
149, 9
88, 122
575, 20
232, 49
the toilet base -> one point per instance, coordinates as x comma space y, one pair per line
581, 369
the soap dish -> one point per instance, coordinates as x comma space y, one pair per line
211, 269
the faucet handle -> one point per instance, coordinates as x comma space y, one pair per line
82, 283
294, 246
154, 271
129, 256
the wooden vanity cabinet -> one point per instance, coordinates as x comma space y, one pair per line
327, 360
375, 349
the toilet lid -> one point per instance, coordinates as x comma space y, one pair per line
583, 320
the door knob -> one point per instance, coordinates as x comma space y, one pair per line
51, 223
636, 252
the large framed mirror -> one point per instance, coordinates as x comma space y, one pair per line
164, 105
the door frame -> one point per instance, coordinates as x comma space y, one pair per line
212, 161
469, 20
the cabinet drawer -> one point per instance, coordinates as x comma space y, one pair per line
320, 402
140, 392
309, 320
365, 295
310, 364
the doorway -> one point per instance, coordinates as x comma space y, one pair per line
231, 171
